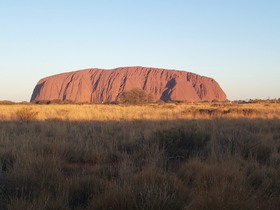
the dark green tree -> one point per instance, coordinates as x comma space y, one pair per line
136, 96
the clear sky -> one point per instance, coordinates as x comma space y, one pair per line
237, 42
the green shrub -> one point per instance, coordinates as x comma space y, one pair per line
136, 96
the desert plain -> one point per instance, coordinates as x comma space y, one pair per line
211, 155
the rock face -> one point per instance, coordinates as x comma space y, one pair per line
99, 85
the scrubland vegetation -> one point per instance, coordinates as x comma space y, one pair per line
154, 111
157, 156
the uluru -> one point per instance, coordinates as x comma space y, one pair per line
103, 85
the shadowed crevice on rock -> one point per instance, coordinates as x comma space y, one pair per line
37, 91
168, 90
66, 88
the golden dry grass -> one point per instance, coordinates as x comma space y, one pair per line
172, 111
157, 156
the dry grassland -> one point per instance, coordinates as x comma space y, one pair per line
158, 156
102, 112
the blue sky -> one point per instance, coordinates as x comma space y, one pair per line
236, 42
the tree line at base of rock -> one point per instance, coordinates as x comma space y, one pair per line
133, 96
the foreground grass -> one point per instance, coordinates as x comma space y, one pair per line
220, 164
123, 161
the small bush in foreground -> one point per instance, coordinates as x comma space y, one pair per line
7, 161
183, 141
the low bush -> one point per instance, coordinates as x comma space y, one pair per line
183, 141
7, 162
136, 96
26, 114
6, 102
154, 189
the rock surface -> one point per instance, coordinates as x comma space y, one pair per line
99, 85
